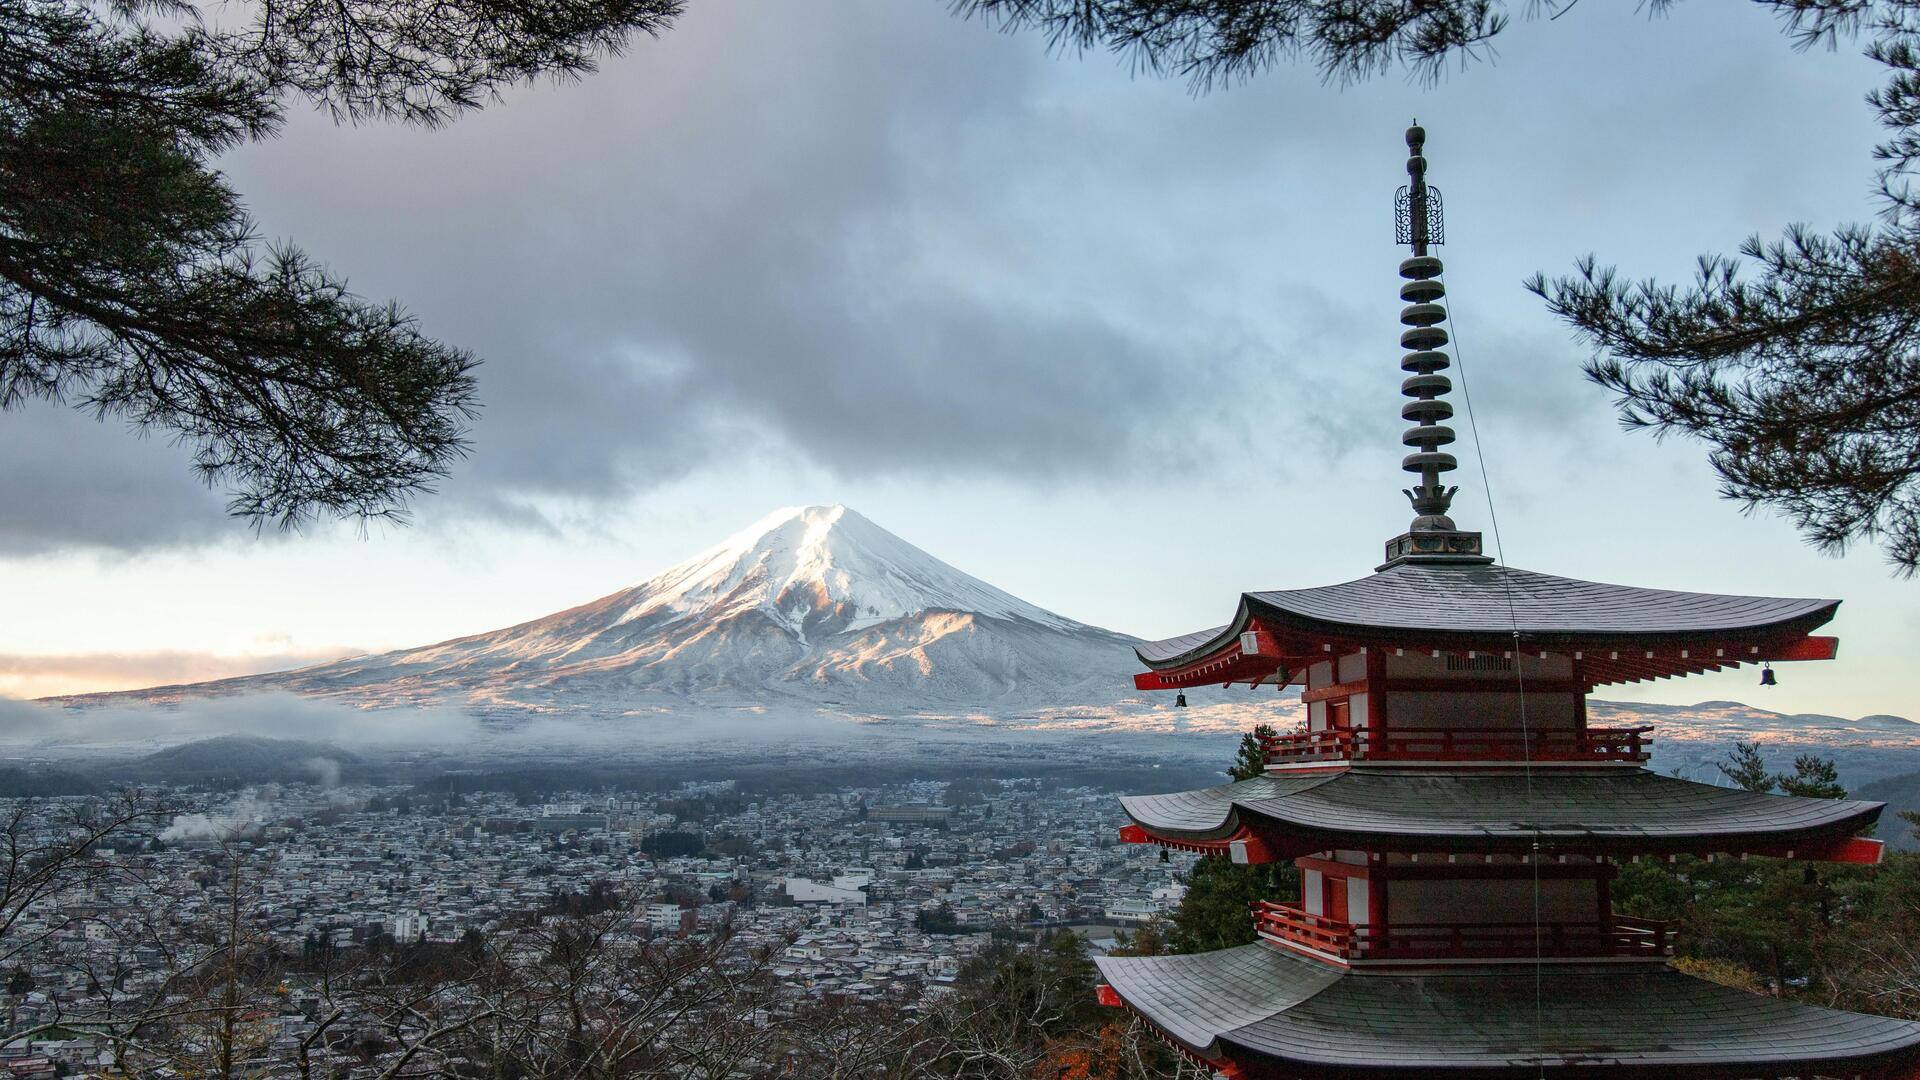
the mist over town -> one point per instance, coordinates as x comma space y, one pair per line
995, 540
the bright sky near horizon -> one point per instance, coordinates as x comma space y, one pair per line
1119, 350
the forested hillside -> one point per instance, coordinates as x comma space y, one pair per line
1902, 796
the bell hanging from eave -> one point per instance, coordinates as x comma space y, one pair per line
1180, 701
1766, 675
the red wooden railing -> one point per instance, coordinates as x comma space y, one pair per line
1292, 925
1626, 937
1459, 744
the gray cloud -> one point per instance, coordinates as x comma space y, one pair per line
159, 668
55, 731
872, 238
776, 232
280, 716
69, 480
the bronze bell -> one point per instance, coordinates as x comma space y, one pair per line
1180, 701
1766, 675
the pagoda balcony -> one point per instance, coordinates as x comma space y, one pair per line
1459, 744
1623, 936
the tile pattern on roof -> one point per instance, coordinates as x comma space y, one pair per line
1491, 600
1612, 805
1169, 648
1195, 997
1476, 598
1260, 998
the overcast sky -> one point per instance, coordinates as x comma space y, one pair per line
1122, 351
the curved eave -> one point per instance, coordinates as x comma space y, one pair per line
1557, 639
1624, 633
1279, 656
1619, 812
1198, 647
1265, 1011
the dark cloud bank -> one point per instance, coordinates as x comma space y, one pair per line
876, 239
744, 239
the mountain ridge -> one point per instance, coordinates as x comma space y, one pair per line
814, 604
818, 613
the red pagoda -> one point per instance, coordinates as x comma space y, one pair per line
1456, 821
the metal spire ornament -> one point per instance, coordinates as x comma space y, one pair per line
1420, 224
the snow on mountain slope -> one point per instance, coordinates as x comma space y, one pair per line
816, 610
814, 605
824, 569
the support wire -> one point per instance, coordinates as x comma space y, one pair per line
1519, 676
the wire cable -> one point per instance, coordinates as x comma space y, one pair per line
1519, 673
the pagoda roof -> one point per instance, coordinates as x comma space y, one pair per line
1259, 1005
1610, 810
1468, 604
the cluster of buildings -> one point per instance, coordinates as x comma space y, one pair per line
865, 893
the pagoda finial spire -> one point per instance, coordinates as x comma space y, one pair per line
1419, 224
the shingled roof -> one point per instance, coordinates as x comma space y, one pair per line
1260, 1004
1479, 602
1616, 809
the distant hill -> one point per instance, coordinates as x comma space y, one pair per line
1688, 739
1899, 793
225, 761
45, 781
247, 759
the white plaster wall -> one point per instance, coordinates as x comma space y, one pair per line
1353, 667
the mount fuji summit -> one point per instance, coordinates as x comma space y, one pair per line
811, 606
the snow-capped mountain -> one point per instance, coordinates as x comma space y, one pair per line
817, 612
814, 605
821, 571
